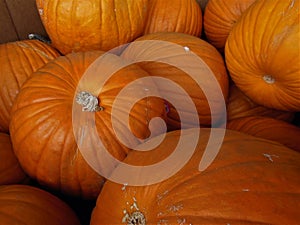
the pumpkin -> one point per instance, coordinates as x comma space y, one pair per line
65, 119
262, 54
269, 128
10, 169
18, 61
219, 18
76, 26
197, 71
184, 16
247, 183
239, 105
23, 204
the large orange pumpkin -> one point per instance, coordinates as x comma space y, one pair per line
251, 181
18, 61
269, 128
22, 204
184, 16
92, 25
51, 124
262, 54
239, 105
193, 65
219, 18
10, 169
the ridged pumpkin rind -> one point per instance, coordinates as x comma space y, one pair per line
207, 62
183, 16
269, 128
262, 54
23, 204
248, 182
42, 126
219, 18
10, 170
18, 61
75, 26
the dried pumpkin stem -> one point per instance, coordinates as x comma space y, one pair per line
269, 79
88, 101
136, 218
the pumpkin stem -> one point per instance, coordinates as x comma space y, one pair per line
88, 101
269, 79
39, 38
136, 218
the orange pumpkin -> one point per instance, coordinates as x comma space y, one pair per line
262, 54
193, 65
184, 16
269, 128
18, 61
247, 183
60, 140
219, 18
239, 105
10, 169
92, 25
22, 204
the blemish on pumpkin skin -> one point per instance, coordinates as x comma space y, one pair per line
270, 157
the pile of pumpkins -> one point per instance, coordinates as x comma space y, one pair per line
121, 75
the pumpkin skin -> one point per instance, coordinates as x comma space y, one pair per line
257, 59
10, 169
269, 128
75, 26
239, 105
219, 18
18, 61
23, 204
152, 46
242, 186
45, 137
184, 16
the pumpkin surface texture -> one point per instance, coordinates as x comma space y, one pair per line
184, 16
247, 183
10, 169
196, 69
219, 18
262, 54
269, 128
22, 204
62, 142
18, 61
92, 24
239, 105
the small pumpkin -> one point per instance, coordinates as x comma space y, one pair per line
10, 170
219, 18
64, 108
269, 128
184, 16
92, 25
23, 204
239, 105
18, 61
249, 180
195, 66
262, 54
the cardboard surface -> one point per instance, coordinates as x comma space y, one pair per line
18, 18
